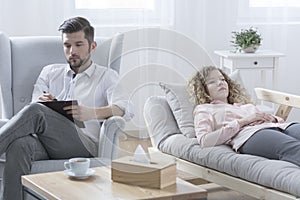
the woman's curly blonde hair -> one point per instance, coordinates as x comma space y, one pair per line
199, 93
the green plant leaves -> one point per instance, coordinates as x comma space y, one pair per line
246, 38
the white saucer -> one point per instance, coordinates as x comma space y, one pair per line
89, 173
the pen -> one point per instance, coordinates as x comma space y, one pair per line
51, 95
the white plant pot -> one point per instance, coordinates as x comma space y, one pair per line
250, 49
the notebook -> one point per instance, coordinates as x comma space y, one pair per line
58, 107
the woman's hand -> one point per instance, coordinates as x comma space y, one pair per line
256, 118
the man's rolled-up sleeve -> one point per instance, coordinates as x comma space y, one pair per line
117, 96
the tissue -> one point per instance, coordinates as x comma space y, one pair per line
140, 155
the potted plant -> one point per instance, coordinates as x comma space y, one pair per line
246, 40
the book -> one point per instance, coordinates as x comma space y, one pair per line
58, 107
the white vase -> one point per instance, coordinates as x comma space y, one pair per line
250, 49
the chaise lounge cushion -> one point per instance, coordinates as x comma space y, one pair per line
280, 175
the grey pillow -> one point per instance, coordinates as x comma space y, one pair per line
178, 100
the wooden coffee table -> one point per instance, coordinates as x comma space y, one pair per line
57, 185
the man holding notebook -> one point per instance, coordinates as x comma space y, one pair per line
40, 132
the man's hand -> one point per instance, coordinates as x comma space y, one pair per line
85, 113
80, 112
46, 97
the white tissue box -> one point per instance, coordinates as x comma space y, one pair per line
158, 174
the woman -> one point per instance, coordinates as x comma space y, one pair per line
225, 115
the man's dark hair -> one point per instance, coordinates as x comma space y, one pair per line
76, 24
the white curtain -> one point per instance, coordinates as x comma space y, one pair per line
36, 17
279, 24
32, 17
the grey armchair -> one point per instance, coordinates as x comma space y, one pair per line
21, 60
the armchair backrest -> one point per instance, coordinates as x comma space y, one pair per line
22, 59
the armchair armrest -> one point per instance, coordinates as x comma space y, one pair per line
286, 101
109, 140
2, 122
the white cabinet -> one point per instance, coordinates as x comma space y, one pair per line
257, 69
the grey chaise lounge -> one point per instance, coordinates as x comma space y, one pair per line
170, 125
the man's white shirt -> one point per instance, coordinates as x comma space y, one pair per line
97, 86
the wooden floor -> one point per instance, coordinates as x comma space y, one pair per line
215, 192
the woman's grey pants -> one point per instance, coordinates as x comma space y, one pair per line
56, 138
274, 143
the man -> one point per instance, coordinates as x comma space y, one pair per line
37, 132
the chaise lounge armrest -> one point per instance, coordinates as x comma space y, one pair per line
286, 101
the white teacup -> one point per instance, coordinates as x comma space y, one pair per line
79, 166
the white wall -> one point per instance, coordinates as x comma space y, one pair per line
207, 22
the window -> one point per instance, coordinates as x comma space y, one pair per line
269, 12
126, 14
274, 3
114, 4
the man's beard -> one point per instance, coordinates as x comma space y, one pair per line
81, 63
75, 65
